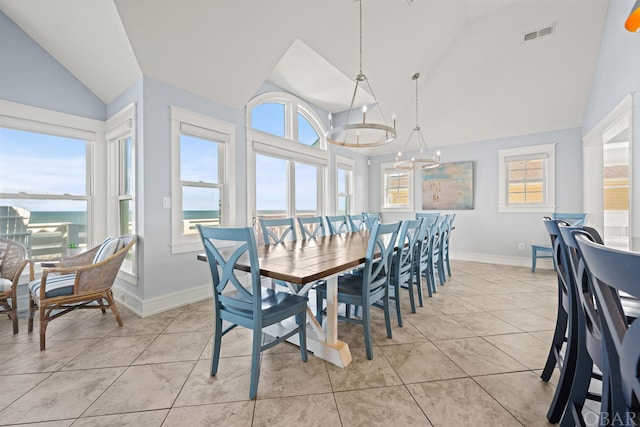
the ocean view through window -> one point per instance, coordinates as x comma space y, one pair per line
46, 175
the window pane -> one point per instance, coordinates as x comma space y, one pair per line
271, 186
198, 159
306, 189
269, 118
54, 224
397, 189
306, 133
127, 172
342, 181
343, 205
200, 206
126, 217
36, 163
516, 165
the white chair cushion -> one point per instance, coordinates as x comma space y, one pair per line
55, 287
5, 285
110, 246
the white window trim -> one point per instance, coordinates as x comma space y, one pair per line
550, 178
120, 126
285, 148
35, 119
410, 207
181, 243
347, 164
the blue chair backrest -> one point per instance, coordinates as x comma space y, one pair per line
377, 269
573, 219
612, 272
587, 313
428, 217
423, 245
357, 222
312, 227
239, 242
337, 224
276, 231
370, 219
407, 238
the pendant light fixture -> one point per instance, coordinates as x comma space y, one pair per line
424, 161
633, 21
361, 134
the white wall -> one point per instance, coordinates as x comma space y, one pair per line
483, 233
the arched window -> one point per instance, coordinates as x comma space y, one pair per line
287, 158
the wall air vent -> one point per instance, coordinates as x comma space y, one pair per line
542, 32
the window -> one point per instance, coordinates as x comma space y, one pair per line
397, 187
120, 138
286, 159
344, 181
200, 192
527, 179
45, 169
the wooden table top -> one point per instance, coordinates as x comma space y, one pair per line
305, 261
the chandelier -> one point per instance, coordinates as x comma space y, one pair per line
422, 162
361, 134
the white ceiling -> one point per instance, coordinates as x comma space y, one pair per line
479, 80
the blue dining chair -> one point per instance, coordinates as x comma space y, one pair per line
422, 259
279, 230
615, 273
311, 227
445, 244
370, 287
430, 217
252, 307
590, 360
402, 264
564, 344
357, 222
337, 224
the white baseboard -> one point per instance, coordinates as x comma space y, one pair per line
501, 260
146, 308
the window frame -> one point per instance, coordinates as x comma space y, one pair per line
531, 152
347, 165
388, 168
118, 128
259, 142
217, 131
39, 120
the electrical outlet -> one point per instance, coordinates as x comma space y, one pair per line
166, 203
521, 246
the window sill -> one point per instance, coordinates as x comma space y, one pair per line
526, 209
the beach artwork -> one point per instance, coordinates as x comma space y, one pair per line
447, 187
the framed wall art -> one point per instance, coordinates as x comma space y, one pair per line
448, 187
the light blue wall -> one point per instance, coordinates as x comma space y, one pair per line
483, 233
30, 76
617, 71
617, 74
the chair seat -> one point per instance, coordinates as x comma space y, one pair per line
273, 303
56, 286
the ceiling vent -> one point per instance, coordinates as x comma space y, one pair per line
542, 32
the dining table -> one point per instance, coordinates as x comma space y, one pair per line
301, 263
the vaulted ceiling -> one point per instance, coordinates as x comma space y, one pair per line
479, 78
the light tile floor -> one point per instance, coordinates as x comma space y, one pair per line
471, 356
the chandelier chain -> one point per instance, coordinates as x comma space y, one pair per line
360, 2
415, 77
